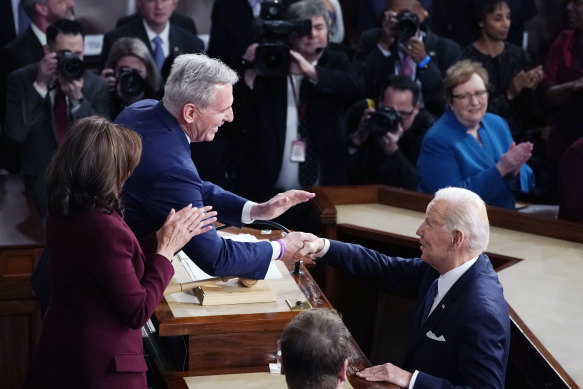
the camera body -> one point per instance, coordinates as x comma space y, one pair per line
383, 120
130, 82
70, 65
407, 25
272, 57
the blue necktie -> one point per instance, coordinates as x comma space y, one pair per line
158, 52
429, 298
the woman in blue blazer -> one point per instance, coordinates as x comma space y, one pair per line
470, 148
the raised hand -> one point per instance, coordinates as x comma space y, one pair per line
389, 143
279, 203
181, 226
388, 373
512, 160
47, 68
388, 32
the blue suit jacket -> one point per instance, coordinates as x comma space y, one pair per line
166, 178
472, 317
451, 157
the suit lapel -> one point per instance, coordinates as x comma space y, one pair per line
446, 305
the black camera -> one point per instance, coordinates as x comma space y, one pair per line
70, 65
272, 57
131, 84
407, 25
383, 120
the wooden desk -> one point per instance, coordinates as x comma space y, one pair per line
540, 265
21, 243
227, 344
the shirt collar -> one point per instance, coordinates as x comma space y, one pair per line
447, 280
41, 36
151, 34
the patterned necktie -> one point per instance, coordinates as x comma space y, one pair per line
429, 299
158, 52
309, 168
407, 66
60, 114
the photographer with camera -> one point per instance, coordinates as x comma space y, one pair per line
44, 98
293, 128
385, 141
405, 46
131, 74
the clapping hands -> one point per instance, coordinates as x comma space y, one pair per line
512, 160
525, 80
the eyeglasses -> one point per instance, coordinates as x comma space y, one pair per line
480, 95
403, 115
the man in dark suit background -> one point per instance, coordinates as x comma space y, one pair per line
294, 133
164, 39
461, 328
177, 19
24, 50
42, 102
388, 156
424, 58
197, 100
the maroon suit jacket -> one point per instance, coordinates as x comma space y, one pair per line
104, 289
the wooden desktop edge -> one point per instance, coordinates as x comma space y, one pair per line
168, 325
327, 198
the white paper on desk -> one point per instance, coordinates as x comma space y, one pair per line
197, 274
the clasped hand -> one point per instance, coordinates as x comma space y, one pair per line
301, 245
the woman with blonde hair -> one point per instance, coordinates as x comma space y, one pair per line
472, 149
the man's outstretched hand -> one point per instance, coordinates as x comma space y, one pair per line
279, 203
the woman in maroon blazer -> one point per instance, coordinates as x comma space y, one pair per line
105, 285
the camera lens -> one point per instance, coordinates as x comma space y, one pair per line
130, 82
407, 25
384, 120
70, 65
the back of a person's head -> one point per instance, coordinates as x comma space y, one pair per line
90, 166
63, 26
314, 346
192, 80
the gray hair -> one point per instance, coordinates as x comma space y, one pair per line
28, 6
124, 47
466, 212
308, 9
192, 79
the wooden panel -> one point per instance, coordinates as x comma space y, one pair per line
232, 349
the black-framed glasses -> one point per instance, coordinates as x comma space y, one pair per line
403, 115
479, 95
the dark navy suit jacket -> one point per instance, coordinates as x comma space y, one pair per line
167, 178
472, 317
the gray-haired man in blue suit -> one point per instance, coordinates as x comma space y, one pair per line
461, 329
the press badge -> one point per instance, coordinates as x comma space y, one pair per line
298, 151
